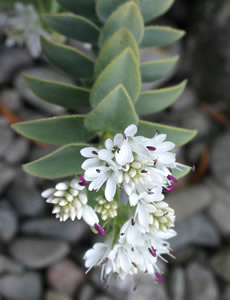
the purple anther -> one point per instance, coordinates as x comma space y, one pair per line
159, 278
83, 182
173, 179
94, 152
118, 150
151, 148
193, 168
99, 229
152, 252
133, 222
144, 171
157, 131
168, 189
81, 178
98, 171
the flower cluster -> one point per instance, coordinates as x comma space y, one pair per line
129, 175
23, 27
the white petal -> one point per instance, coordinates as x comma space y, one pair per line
109, 144
118, 139
95, 172
83, 198
133, 199
110, 189
143, 215
97, 183
47, 193
89, 215
88, 151
131, 130
91, 162
124, 155
75, 185
165, 146
105, 154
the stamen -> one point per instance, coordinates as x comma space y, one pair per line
122, 234
151, 148
155, 162
81, 177
118, 150
159, 278
193, 168
144, 171
152, 252
94, 152
98, 171
133, 222
99, 229
124, 135
173, 179
133, 263
157, 131
168, 189
105, 260
83, 182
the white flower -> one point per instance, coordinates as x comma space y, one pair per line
107, 210
23, 26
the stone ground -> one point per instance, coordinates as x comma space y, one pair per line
41, 258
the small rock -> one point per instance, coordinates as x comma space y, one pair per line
7, 174
221, 264
27, 200
87, 292
29, 96
65, 276
38, 253
189, 201
6, 135
9, 266
196, 230
177, 284
226, 295
103, 298
201, 283
12, 59
50, 227
51, 295
25, 286
10, 99
186, 102
8, 224
17, 151
219, 164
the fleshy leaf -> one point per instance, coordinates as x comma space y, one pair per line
75, 27
56, 130
126, 16
105, 8
179, 136
84, 8
181, 171
154, 101
69, 59
154, 70
122, 70
160, 36
59, 93
63, 162
118, 42
151, 9
113, 114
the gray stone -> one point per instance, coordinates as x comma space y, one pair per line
187, 101
51, 227
201, 283
226, 294
196, 230
29, 96
26, 200
38, 253
177, 284
65, 276
9, 266
17, 151
219, 211
53, 295
221, 264
6, 135
8, 224
87, 292
103, 298
26, 286
10, 99
12, 59
189, 201
7, 175
219, 164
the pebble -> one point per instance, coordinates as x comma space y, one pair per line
53, 295
189, 201
51, 227
25, 286
38, 253
12, 59
17, 151
65, 276
186, 102
226, 294
201, 283
221, 264
177, 285
7, 265
26, 200
220, 166
7, 175
198, 230
8, 223
87, 292
25, 92
6, 135
11, 99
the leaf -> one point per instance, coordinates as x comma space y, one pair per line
59, 93
63, 162
178, 136
181, 171
126, 16
151, 102
69, 59
105, 8
151, 9
118, 42
122, 70
75, 27
84, 8
56, 130
113, 114
156, 69
160, 36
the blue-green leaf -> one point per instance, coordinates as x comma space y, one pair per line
84, 8
151, 9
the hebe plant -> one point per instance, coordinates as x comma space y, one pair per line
110, 86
